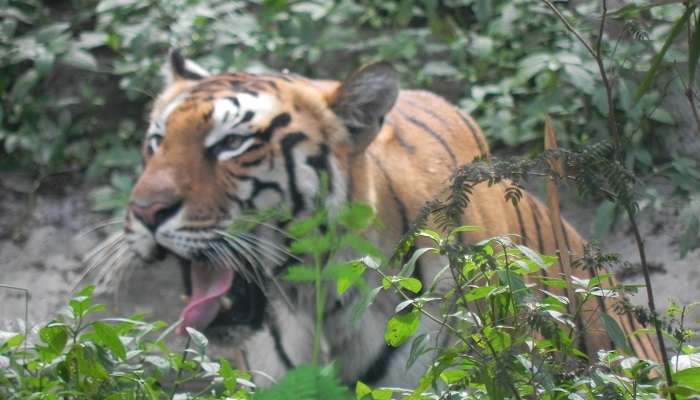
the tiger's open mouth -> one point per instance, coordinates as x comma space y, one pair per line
219, 299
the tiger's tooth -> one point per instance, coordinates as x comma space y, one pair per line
185, 298
226, 303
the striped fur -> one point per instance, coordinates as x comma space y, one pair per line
221, 145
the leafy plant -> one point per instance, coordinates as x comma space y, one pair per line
79, 355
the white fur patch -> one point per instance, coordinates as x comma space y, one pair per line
228, 117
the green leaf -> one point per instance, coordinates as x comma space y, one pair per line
648, 79
300, 273
482, 292
312, 245
382, 394
362, 390
411, 284
24, 84
360, 244
690, 237
107, 336
410, 266
689, 378
662, 116
356, 216
350, 276
497, 338
303, 226
14, 341
306, 383
418, 348
228, 374
604, 219
200, 341
531, 255
55, 336
694, 53
617, 335
401, 327
80, 304
80, 58
434, 236
463, 228
439, 68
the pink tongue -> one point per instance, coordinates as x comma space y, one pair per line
208, 285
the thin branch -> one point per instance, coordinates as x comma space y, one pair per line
612, 123
650, 296
617, 144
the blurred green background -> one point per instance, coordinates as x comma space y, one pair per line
77, 76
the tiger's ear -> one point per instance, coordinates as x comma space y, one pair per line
178, 68
363, 99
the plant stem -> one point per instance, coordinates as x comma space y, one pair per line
650, 296
319, 309
179, 370
617, 143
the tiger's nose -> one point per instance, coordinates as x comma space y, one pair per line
152, 215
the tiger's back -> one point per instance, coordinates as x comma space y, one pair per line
423, 142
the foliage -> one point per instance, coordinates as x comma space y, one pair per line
79, 355
320, 238
511, 339
67, 67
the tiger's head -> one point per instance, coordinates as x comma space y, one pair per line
220, 146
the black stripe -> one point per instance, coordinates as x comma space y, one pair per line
379, 366
246, 117
398, 134
185, 266
320, 163
432, 133
236, 200
400, 206
260, 186
475, 133
288, 144
280, 121
279, 348
434, 115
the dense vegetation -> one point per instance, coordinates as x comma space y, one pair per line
77, 75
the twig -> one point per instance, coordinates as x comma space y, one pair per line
179, 371
612, 123
615, 133
650, 296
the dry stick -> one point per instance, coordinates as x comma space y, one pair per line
550, 143
612, 125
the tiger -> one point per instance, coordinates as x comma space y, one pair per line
219, 146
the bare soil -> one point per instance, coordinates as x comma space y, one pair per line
42, 246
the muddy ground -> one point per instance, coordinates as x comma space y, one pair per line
41, 250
